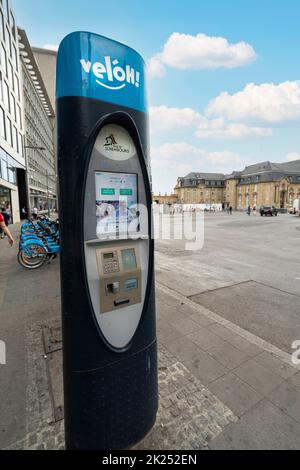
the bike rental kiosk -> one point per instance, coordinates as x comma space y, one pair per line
107, 279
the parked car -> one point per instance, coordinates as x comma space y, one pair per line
268, 210
292, 210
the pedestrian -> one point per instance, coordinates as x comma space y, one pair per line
24, 213
5, 215
249, 210
230, 210
35, 212
5, 229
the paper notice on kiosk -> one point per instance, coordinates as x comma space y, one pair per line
116, 200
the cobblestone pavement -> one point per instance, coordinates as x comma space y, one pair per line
189, 416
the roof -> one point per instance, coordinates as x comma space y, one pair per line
265, 171
34, 71
205, 176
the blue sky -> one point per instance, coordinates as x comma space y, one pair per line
194, 125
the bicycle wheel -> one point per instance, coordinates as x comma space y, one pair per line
32, 256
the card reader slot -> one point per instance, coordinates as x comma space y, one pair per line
117, 303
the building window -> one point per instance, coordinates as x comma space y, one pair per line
13, 24
2, 124
15, 58
15, 139
2, 26
19, 117
3, 60
20, 144
8, 41
10, 75
3, 162
13, 107
6, 96
5, 8
9, 131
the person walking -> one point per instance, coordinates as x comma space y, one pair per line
230, 210
35, 212
24, 213
6, 230
249, 210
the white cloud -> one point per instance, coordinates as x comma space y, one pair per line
184, 152
220, 129
173, 159
164, 119
184, 51
267, 102
293, 156
51, 47
155, 68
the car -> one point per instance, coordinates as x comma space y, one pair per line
268, 210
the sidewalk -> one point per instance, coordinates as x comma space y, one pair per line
220, 386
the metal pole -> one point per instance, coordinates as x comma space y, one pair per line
27, 177
47, 177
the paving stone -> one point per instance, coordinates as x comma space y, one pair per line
295, 380
228, 355
287, 398
276, 365
237, 436
244, 345
202, 319
205, 367
221, 331
205, 339
275, 429
186, 326
258, 377
185, 310
235, 393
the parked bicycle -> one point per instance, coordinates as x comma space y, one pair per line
39, 242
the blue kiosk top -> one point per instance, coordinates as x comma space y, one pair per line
92, 66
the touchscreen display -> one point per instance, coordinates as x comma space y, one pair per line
116, 200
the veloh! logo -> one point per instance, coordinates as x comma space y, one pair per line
110, 74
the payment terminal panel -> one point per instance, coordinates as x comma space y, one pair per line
116, 237
120, 277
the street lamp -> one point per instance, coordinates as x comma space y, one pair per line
47, 179
34, 147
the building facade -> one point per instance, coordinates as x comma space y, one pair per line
200, 188
266, 183
12, 160
165, 199
39, 119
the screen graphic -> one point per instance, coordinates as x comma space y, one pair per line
128, 259
116, 199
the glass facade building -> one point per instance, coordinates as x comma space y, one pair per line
12, 161
39, 121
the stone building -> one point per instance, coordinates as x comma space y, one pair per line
165, 199
200, 188
264, 183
